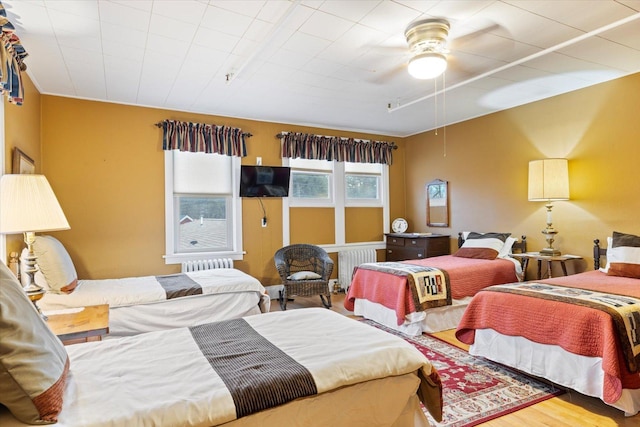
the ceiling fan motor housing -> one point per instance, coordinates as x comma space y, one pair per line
427, 35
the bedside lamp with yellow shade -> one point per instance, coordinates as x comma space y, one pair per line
549, 181
28, 205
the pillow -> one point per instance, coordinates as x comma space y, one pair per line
33, 361
482, 245
55, 264
506, 248
304, 275
623, 257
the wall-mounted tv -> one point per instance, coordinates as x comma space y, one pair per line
264, 181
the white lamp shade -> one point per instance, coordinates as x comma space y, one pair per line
427, 65
548, 180
28, 204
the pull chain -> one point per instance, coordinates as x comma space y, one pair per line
444, 114
435, 103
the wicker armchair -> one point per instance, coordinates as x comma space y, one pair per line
304, 258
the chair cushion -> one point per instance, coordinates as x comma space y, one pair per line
304, 275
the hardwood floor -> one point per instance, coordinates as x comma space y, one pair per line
569, 410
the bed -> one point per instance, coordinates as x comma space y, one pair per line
147, 303
310, 367
577, 331
386, 293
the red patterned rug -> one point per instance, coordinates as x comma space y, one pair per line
476, 390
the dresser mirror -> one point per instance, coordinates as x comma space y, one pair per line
437, 203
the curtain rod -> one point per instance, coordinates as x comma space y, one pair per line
393, 144
245, 134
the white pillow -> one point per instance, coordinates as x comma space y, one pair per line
623, 256
304, 275
506, 249
56, 265
482, 245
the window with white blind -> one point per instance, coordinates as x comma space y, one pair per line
312, 182
203, 213
340, 185
319, 182
363, 184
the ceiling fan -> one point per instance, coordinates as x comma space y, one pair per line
427, 39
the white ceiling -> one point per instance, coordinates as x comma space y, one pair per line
331, 64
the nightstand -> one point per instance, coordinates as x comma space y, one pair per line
549, 259
83, 324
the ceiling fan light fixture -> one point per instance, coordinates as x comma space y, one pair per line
427, 65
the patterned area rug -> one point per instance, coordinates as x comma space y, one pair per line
476, 390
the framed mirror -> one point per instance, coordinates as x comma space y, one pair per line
437, 193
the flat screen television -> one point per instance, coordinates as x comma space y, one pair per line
264, 181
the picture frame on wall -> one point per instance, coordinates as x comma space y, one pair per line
22, 163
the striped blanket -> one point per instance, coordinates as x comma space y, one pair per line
624, 311
179, 285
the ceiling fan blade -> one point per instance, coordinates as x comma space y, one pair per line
385, 76
459, 40
390, 50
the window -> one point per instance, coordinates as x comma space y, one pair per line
315, 182
363, 186
339, 185
202, 210
311, 182
202, 224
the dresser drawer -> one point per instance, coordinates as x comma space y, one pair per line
395, 241
402, 253
417, 243
438, 246
401, 247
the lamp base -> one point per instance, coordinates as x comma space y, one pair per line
550, 252
35, 295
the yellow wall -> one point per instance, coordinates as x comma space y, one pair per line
106, 164
486, 164
22, 130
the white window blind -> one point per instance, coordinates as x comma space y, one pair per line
201, 173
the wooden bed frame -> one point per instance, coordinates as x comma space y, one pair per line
598, 252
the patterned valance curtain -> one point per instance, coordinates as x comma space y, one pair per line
12, 54
203, 138
317, 147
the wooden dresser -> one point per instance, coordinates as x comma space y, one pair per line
403, 246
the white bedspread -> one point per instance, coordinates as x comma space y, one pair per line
144, 290
162, 378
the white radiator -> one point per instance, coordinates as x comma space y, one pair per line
348, 260
206, 264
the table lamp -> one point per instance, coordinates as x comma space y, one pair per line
549, 181
28, 205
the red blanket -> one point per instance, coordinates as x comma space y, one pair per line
466, 276
577, 329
